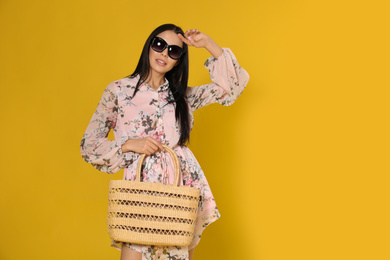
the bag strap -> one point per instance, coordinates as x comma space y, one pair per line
175, 162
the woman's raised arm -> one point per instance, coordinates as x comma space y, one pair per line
229, 78
198, 39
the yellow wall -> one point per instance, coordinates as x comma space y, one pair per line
298, 165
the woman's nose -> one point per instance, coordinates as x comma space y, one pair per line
165, 52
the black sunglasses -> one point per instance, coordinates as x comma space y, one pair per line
159, 45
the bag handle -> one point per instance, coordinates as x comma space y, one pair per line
175, 162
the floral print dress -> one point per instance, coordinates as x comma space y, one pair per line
148, 114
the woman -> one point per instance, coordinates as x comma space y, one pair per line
154, 106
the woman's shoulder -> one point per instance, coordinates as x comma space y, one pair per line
123, 82
126, 83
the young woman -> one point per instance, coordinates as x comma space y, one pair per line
154, 106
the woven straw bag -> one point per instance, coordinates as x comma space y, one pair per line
152, 213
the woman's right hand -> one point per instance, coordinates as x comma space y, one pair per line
147, 145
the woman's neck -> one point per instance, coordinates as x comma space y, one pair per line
155, 80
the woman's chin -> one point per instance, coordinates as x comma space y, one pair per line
161, 70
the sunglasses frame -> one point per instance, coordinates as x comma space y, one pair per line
166, 46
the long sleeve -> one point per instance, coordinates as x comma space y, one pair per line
105, 155
228, 82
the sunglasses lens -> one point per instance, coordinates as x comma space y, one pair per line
158, 44
174, 52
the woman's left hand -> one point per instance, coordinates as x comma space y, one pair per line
200, 40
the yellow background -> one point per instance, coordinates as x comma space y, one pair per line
298, 165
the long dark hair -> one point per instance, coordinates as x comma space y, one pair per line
177, 78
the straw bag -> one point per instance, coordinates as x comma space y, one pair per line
152, 213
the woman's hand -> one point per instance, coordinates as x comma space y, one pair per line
195, 38
200, 40
147, 145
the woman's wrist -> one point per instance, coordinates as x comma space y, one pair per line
126, 146
214, 48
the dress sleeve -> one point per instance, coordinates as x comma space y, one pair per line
105, 155
228, 82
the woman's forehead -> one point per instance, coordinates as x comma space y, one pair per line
171, 38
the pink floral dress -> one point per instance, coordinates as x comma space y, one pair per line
148, 114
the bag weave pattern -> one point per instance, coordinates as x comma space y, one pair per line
152, 213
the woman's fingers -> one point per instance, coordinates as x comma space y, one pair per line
191, 41
146, 145
192, 31
152, 146
148, 151
189, 33
149, 145
186, 40
157, 144
183, 39
190, 37
196, 39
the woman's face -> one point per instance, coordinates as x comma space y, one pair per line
160, 62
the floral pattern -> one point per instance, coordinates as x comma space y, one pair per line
149, 114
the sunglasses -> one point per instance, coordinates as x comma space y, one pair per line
159, 45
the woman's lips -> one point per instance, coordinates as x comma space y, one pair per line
160, 62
